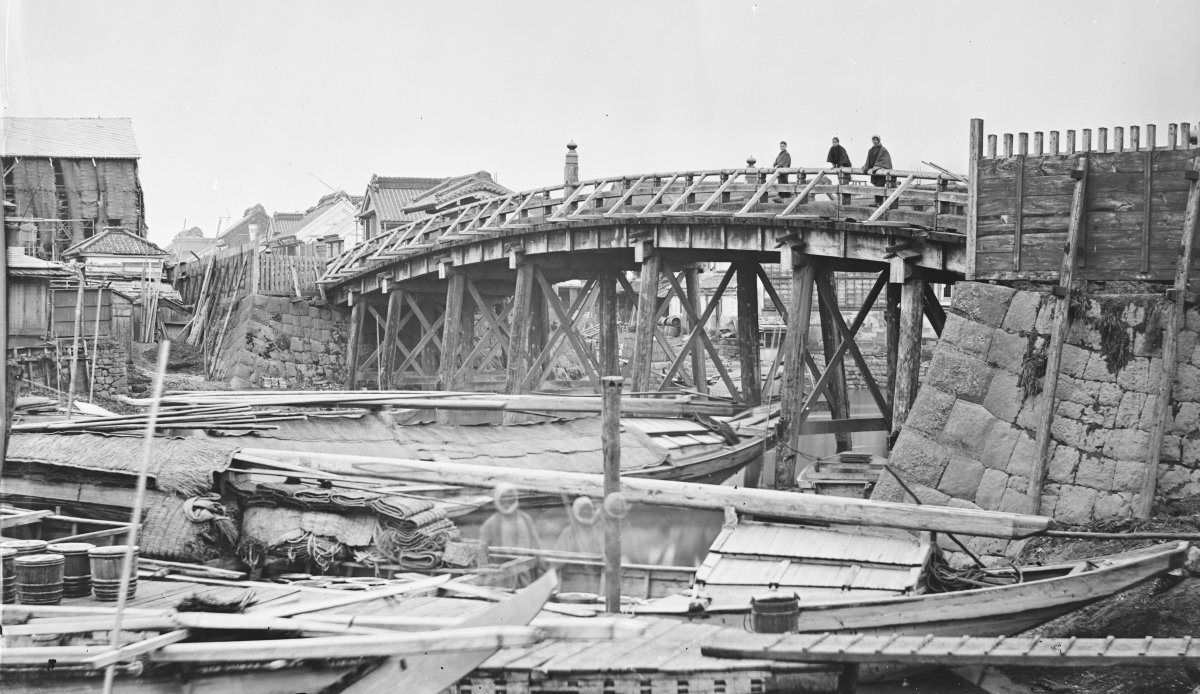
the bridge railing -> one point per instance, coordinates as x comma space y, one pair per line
931, 200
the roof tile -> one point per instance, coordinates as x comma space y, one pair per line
114, 242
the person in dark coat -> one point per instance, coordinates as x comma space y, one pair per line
877, 158
783, 161
838, 158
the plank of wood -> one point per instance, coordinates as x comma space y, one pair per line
1058, 336
908, 358
955, 651
683, 494
1175, 321
791, 412
15, 520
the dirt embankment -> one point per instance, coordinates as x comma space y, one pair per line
1168, 606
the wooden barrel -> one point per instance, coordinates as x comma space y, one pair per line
9, 574
774, 613
106, 571
26, 547
39, 579
77, 568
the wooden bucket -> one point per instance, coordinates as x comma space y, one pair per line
77, 568
39, 579
8, 576
26, 547
106, 572
774, 613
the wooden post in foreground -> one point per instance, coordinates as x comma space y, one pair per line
1058, 336
908, 348
610, 443
357, 315
1175, 318
792, 390
75, 347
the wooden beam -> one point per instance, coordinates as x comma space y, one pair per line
864, 370
701, 333
357, 318
610, 443
521, 323
891, 313
452, 337
691, 280
643, 344
908, 354
792, 390
586, 358
1058, 337
1018, 217
748, 334
391, 338
610, 358
780, 504
1175, 320
836, 393
934, 310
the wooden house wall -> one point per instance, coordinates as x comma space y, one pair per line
28, 307
1133, 224
64, 312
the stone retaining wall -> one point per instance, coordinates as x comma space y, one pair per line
112, 369
969, 440
283, 344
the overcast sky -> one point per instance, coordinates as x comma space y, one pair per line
236, 103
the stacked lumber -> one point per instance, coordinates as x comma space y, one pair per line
445, 400
233, 417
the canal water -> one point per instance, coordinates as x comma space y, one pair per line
665, 536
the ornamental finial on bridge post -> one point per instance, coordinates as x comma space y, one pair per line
571, 170
751, 161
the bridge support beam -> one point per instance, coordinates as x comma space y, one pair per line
795, 347
521, 326
610, 361
836, 392
391, 335
358, 314
908, 353
647, 308
748, 334
691, 278
452, 330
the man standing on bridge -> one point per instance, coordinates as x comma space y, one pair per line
783, 161
877, 158
838, 158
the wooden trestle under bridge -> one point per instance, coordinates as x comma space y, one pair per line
462, 300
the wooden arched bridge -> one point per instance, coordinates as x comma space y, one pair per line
465, 299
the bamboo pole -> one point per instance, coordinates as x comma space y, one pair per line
774, 503
95, 345
75, 347
610, 442
127, 566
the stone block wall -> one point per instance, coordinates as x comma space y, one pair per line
969, 439
280, 344
112, 369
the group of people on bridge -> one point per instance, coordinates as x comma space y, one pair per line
878, 159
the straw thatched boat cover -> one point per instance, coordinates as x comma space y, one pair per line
180, 466
566, 446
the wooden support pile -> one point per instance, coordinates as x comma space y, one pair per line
447, 400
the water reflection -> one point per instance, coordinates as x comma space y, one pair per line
665, 536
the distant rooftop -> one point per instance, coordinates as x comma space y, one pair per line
115, 242
68, 138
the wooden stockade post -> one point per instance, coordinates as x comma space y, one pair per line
1176, 311
610, 442
1058, 337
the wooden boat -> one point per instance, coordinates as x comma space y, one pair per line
887, 595
350, 659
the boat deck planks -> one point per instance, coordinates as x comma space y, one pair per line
954, 651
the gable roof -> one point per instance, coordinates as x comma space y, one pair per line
391, 194
68, 138
455, 188
285, 222
247, 217
114, 242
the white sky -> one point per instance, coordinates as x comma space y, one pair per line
236, 103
